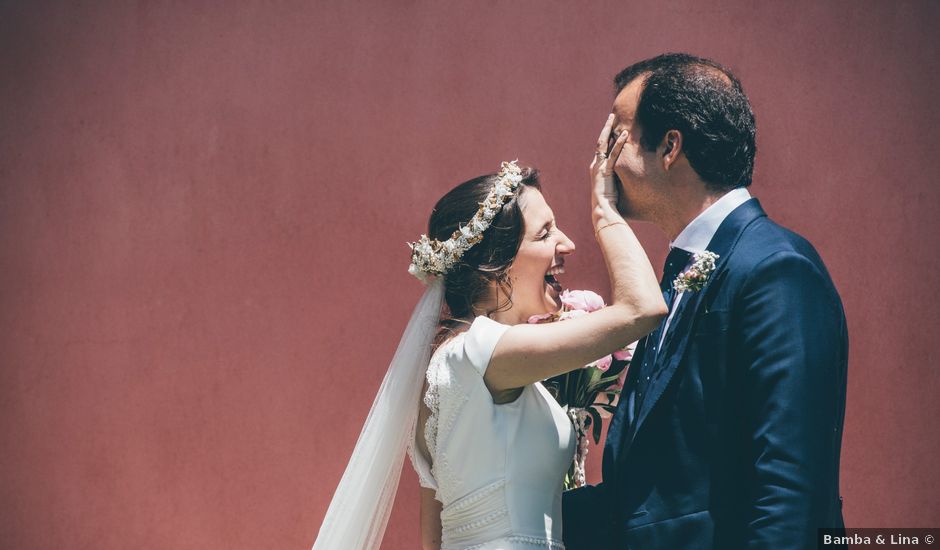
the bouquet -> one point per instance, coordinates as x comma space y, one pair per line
590, 393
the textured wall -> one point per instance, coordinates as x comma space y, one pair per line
203, 211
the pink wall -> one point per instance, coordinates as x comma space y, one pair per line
203, 212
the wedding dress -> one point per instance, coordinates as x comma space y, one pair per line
496, 468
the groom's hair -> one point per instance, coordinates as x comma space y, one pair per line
705, 102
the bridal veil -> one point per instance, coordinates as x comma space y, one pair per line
359, 511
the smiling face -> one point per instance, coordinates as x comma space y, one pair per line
640, 171
539, 259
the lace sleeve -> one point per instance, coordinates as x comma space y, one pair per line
421, 465
443, 399
431, 399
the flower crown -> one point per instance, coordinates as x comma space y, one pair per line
431, 258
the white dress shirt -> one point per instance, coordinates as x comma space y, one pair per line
696, 236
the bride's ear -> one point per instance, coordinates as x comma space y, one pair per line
672, 146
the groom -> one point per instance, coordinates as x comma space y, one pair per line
729, 426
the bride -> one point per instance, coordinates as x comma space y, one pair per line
489, 444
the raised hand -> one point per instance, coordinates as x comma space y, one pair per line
604, 194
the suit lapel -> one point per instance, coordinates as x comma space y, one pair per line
683, 323
671, 353
619, 429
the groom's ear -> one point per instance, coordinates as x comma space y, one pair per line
672, 146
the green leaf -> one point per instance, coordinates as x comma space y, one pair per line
596, 416
602, 383
594, 374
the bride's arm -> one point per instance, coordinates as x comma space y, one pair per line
529, 353
430, 506
430, 520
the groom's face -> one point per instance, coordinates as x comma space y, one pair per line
635, 167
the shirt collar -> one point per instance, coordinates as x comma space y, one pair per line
696, 236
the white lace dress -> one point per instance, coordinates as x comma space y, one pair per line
497, 469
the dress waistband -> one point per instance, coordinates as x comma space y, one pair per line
482, 515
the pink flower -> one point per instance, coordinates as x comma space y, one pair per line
536, 319
603, 363
625, 353
581, 299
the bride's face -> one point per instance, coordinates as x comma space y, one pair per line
539, 260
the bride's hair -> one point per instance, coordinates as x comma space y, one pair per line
487, 261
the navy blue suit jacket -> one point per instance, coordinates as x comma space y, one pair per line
736, 444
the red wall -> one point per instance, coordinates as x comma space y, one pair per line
204, 209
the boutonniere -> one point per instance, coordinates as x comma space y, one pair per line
694, 278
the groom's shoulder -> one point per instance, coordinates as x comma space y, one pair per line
766, 248
765, 238
767, 256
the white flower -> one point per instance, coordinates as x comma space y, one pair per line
694, 278
436, 257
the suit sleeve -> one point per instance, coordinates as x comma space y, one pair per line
582, 512
792, 352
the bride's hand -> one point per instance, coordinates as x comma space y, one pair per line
604, 193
